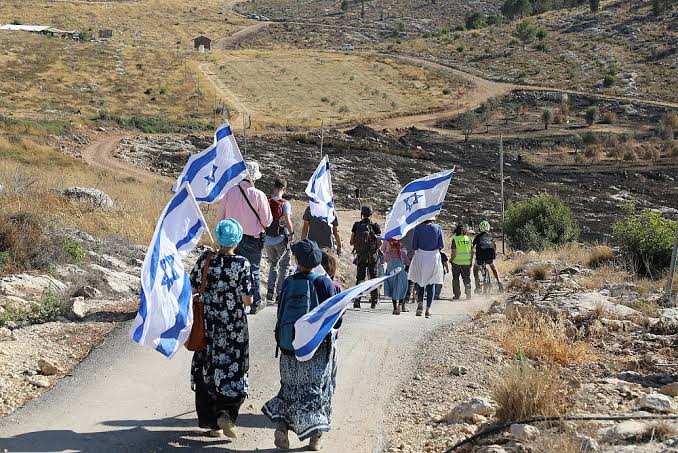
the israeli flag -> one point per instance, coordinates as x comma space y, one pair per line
214, 171
165, 315
311, 329
420, 200
319, 191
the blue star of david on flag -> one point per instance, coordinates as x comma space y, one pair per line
171, 275
212, 178
411, 201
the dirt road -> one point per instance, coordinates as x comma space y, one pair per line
127, 398
101, 154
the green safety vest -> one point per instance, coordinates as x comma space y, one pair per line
464, 246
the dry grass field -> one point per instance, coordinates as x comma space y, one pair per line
141, 71
30, 168
282, 86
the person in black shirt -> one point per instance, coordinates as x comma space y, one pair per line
366, 244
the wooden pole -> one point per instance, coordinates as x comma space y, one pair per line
191, 196
672, 267
244, 132
501, 175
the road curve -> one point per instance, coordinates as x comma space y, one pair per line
127, 398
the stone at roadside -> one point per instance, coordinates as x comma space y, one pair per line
95, 197
39, 381
473, 406
47, 368
21, 285
658, 402
88, 292
6, 334
491, 449
79, 308
584, 306
458, 370
524, 432
478, 419
586, 443
628, 429
515, 310
670, 389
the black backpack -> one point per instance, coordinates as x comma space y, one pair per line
366, 242
486, 242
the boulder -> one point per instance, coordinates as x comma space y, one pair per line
473, 406
515, 310
657, 402
620, 432
6, 334
119, 282
670, 389
79, 308
587, 443
583, 306
491, 449
23, 285
39, 381
95, 197
48, 368
524, 432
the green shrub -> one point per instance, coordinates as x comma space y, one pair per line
152, 125
591, 115
609, 80
525, 31
50, 306
74, 249
646, 240
589, 138
541, 34
540, 222
476, 21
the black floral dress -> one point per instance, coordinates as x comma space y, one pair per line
219, 374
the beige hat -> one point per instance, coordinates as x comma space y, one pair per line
253, 171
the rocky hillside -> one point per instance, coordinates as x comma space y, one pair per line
566, 340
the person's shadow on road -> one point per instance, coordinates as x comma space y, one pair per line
176, 435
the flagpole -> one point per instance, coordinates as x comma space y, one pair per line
501, 175
322, 137
191, 196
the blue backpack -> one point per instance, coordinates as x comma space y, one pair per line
299, 298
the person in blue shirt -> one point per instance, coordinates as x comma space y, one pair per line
426, 269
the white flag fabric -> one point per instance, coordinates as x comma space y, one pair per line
214, 171
311, 329
420, 200
319, 191
165, 314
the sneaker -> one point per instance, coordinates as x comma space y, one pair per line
455, 298
428, 313
215, 433
397, 310
227, 425
356, 305
419, 310
315, 443
270, 296
373, 305
281, 440
403, 307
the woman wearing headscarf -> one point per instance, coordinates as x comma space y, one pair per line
396, 286
304, 403
426, 269
219, 373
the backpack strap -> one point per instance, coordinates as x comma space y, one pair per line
250, 205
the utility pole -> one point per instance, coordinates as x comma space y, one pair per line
244, 132
501, 175
322, 137
672, 268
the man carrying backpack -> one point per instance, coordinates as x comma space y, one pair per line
462, 257
366, 243
278, 238
485, 252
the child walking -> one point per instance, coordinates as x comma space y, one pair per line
396, 287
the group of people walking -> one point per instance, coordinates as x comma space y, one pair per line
250, 224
